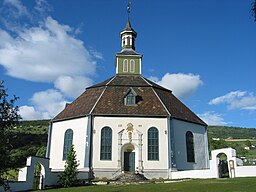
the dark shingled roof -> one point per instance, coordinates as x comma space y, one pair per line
128, 27
107, 98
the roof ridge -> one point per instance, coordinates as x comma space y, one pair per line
102, 83
110, 80
155, 85
169, 113
146, 81
94, 106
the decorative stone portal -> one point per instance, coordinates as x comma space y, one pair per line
130, 150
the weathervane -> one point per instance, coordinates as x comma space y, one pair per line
129, 8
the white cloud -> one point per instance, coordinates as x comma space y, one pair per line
44, 53
19, 8
236, 100
42, 6
29, 113
40, 49
72, 86
182, 85
227, 98
212, 118
45, 105
50, 101
96, 54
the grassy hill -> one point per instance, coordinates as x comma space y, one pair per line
224, 132
29, 138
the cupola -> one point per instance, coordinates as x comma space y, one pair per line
128, 61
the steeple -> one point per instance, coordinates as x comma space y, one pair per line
128, 36
128, 61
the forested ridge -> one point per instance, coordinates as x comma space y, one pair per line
225, 132
28, 138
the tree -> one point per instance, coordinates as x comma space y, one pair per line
217, 144
41, 151
8, 117
68, 177
254, 9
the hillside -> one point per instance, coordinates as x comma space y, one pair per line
29, 138
224, 132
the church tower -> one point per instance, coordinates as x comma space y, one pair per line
128, 61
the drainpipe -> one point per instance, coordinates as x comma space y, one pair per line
206, 149
172, 144
48, 149
88, 144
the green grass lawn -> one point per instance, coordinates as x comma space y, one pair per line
197, 185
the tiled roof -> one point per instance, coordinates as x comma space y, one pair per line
112, 102
81, 106
176, 108
107, 98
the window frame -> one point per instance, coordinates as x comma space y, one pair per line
106, 144
132, 66
190, 148
130, 99
126, 66
153, 144
68, 141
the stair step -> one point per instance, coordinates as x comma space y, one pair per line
127, 176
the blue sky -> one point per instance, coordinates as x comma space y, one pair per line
204, 51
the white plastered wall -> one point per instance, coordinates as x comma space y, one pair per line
140, 125
79, 127
200, 145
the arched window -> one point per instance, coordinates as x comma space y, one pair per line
123, 42
153, 144
128, 40
190, 147
125, 65
68, 140
132, 66
106, 144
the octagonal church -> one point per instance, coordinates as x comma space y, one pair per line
128, 123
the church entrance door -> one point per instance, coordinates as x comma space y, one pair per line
129, 161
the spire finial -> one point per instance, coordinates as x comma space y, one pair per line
129, 8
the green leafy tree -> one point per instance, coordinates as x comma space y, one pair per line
68, 177
41, 151
8, 117
217, 144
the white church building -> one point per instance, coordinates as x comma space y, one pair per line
128, 123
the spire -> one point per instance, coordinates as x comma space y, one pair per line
128, 36
128, 26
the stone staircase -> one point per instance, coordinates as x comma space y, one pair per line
130, 176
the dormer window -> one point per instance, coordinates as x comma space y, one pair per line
130, 98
